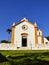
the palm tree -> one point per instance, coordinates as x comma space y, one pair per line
9, 31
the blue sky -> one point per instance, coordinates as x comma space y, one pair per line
14, 10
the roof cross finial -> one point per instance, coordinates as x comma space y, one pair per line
24, 19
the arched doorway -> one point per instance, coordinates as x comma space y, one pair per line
24, 39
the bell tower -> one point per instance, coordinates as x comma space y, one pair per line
40, 37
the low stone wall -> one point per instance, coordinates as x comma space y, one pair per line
4, 46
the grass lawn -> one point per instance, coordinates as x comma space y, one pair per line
24, 57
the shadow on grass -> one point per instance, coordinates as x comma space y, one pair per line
2, 58
46, 53
28, 59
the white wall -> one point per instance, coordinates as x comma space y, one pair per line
30, 37
39, 40
45, 40
4, 46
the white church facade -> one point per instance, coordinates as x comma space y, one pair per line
26, 36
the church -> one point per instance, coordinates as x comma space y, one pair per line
26, 35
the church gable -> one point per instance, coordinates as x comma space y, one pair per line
25, 21
24, 26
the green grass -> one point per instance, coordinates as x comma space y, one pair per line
18, 52
26, 57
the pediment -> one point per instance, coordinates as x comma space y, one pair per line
24, 20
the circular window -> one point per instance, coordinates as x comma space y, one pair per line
24, 27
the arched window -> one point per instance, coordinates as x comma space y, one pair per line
39, 33
46, 43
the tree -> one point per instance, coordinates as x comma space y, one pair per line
4, 41
9, 31
47, 37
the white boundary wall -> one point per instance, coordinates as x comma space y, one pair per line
4, 46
